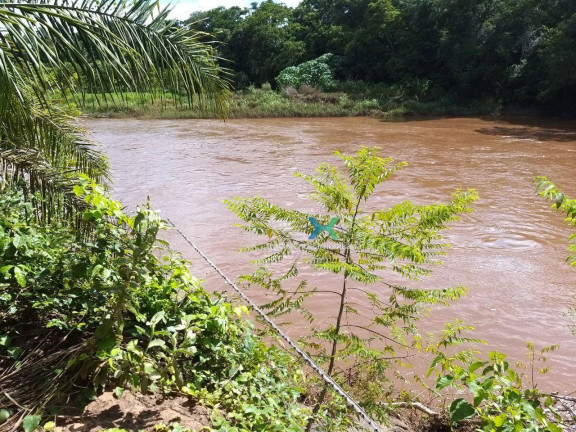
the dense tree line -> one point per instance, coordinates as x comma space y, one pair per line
519, 51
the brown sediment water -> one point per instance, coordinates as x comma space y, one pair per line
510, 252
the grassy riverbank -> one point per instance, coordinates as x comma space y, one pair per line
266, 103
106, 312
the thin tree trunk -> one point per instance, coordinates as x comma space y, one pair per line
322, 396
347, 255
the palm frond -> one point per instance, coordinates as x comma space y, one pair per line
44, 150
71, 48
55, 187
110, 46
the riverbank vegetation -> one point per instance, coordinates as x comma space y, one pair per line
382, 58
517, 53
92, 299
304, 102
111, 307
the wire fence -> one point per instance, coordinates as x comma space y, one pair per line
325, 377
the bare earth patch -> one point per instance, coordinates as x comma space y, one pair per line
137, 412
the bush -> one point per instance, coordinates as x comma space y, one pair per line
307, 89
104, 310
317, 73
290, 92
500, 401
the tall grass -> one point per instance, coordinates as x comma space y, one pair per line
258, 103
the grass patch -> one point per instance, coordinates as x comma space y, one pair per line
258, 103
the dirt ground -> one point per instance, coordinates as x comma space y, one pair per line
137, 412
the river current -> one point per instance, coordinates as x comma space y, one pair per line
510, 252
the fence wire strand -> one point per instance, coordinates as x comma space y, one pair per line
327, 378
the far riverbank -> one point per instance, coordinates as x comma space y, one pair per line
266, 103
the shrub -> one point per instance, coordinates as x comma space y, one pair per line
499, 400
316, 73
366, 106
307, 89
290, 92
117, 308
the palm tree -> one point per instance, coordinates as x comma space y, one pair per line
74, 47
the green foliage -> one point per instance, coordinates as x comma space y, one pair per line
260, 41
351, 99
567, 205
96, 46
31, 422
550, 191
499, 401
559, 62
134, 316
317, 73
518, 52
4, 414
258, 103
49, 426
360, 348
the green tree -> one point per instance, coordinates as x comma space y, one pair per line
322, 26
268, 36
558, 88
221, 27
516, 51
375, 43
360, 347
68, 48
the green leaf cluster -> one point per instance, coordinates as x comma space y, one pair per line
114, 308
562, 203
367, 342
317, 73
499, 400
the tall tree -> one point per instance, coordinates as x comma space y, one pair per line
270, 34
222, 27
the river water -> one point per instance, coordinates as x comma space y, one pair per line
510, 252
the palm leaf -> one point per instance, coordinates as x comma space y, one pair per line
89, 46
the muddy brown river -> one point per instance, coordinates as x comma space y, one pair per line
510, 252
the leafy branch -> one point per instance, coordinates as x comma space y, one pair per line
405, 239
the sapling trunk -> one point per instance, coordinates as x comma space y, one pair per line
334, 349
403, 238
322, 396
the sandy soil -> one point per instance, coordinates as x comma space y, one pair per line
137, 412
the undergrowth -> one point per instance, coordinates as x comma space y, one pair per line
103, 303
304, 102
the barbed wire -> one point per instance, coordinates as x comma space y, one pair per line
327, 378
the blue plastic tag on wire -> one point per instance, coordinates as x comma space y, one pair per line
318, 228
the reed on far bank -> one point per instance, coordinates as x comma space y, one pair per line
303, 102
